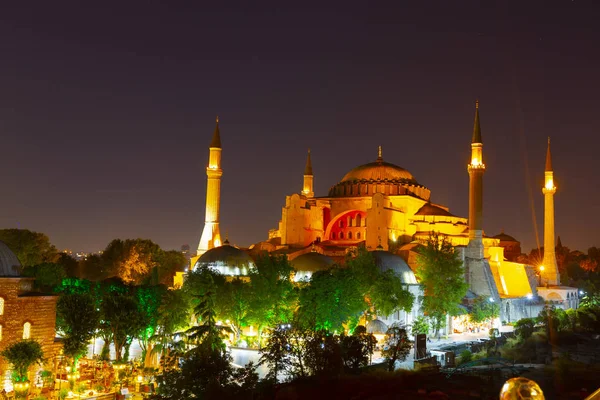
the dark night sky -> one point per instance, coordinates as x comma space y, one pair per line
106, 111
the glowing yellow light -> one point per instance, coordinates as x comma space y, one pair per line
549, 184
212, 166
140, 378
541, 267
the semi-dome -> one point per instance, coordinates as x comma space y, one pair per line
10, 266
379, 177
377, 327
386, 260
227, 260
505, 238
432, 210
309, 263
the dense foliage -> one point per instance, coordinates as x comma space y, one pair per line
22, 355
442, 274
77, 319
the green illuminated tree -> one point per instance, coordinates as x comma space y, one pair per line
420, 326
234, 299
331, 299
442, 274
389, 295
483, 310
77, 319
273, 299
173, 316
207, 334
149, 299
383, 292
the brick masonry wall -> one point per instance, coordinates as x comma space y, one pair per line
20, 307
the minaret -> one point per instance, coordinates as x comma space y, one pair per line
476, 169
211, 236
307, 188
549, 274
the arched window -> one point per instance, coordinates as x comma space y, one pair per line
349, 235
358, 220
27, 330
358, 235
1, 306
333, 235
341, 223
341, 235
349, 220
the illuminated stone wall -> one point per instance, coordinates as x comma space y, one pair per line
22, 306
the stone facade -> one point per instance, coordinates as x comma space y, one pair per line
22, 306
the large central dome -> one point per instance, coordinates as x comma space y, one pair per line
378, 171
379, 177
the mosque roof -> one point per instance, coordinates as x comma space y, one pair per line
311, 262
9, 263
505, 238
386, 260
377, 326
430, 209
378, 171
225, 255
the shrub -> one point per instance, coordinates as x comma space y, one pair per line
465, 357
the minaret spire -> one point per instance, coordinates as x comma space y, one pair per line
211, 235
549, 274
476, 126
548, 157
478, 272
216, 139
307, 187
476, 169
379, 156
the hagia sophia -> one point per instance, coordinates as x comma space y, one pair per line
383, 207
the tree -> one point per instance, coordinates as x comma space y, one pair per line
206, 374
442, 274
47, 276
168, 263
273, 298
235, 298
389, 295
149, 300
77, 319
483, 310
396, 346
420, 326
173, 314
330, 300
22, 355
31, 248
207, 333
120, 319
357, 348
524, 328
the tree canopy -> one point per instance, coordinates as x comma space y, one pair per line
31, 248
442, 274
